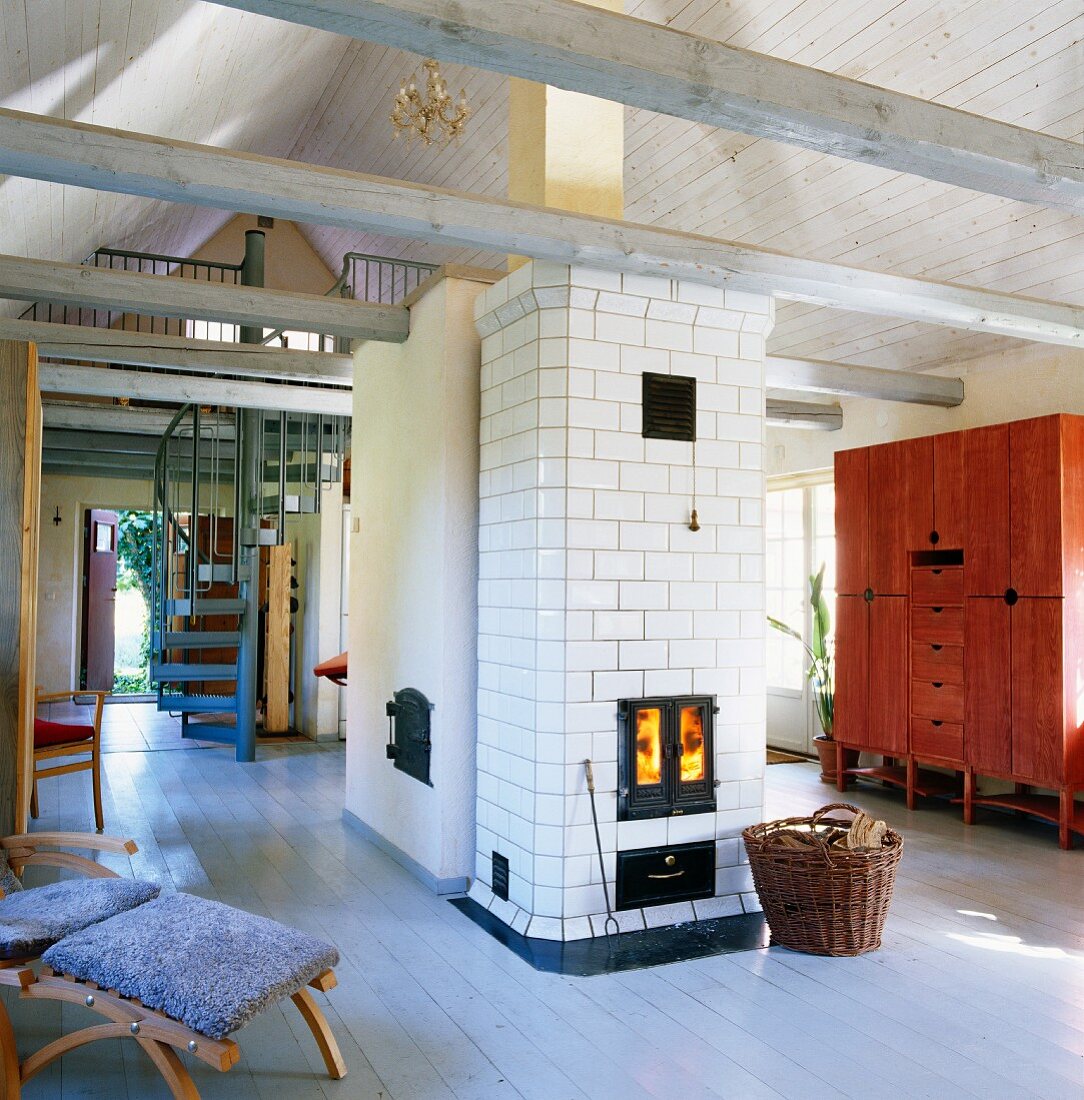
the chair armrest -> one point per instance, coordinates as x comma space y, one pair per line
56, 696
22, 842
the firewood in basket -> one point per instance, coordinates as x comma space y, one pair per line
866, 832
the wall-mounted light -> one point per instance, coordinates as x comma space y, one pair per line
57, 521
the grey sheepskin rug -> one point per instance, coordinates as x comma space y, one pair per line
32, 920
208, 965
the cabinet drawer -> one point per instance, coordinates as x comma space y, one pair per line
936, 699
931, 737
940, 625
933, 661
937, 585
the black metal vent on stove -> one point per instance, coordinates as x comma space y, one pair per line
409, 745
500, 876
669, 407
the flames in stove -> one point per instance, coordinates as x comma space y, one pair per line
692, 744
649, 746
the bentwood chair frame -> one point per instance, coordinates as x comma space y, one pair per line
90, 748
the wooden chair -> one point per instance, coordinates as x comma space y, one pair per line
64, 739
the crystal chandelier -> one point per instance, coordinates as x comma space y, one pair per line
435, 116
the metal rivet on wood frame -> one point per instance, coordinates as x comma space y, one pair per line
134, 1029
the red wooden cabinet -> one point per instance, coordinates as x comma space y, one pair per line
949, 494
850, 722
900, 503
986, 510
987, 686
1035, 495
852, 521
971, 651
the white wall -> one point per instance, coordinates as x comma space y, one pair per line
413, 576
1033, 381
60, 566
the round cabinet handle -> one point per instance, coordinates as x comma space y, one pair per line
936, 648
868, 595
935, 722
936, 572
937, 610
935, 538
1011, 596
939, 683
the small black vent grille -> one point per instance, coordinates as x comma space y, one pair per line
669, 407
500, 876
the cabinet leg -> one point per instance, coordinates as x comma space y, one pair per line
841, 776
1021, 788
1065, 818
911, 776
969, 797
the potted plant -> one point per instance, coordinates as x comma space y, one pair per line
819, 674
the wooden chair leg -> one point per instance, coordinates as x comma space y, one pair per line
172, 1069
322, 1033
96, 774
10, 1082
34, 799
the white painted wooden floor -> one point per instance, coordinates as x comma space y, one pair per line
978, 991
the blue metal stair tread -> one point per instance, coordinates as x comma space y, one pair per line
181, 673
198, 704
202, 639
228, 606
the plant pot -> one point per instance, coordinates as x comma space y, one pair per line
826, 750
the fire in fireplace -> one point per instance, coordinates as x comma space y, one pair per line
665, 756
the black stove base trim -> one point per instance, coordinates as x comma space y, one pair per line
629, 950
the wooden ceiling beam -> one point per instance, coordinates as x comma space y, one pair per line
167, 296
850, 380
80, 416
617, 57
84, 343
183, 388
109, 160
803, 414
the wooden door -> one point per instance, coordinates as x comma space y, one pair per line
852, 521
852, 671
98, 632
988, 686
949, 508
900, 511
1035, 506
986, 538
889, 673
1038, 713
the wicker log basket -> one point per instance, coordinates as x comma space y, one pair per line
820, 896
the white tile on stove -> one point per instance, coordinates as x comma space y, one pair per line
714, 908
661, 916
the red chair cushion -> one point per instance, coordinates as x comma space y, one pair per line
57, 733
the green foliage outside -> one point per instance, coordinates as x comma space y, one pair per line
135, 531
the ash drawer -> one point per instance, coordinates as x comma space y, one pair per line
658, 876
942, 584
932, 737
934, 661
937, 699
939, 624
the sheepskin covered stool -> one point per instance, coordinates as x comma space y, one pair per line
184, 972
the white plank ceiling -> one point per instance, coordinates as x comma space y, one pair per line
204, 73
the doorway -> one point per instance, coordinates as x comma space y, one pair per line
116, 586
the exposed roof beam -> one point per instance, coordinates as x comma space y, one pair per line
181, 388
89, 416
92, 156
617, 57
169, 296
850, 380
144, 349
804, 414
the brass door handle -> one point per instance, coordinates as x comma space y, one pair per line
674, 874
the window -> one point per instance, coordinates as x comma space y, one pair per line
800, 534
